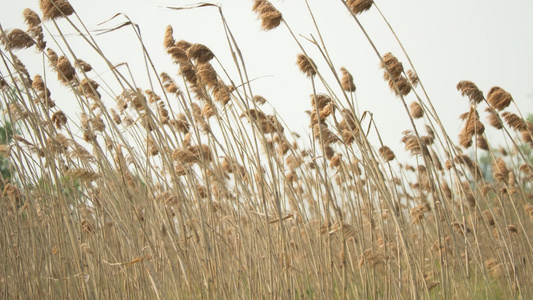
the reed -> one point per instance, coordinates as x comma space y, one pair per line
192, 187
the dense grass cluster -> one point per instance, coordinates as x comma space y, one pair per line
188, 188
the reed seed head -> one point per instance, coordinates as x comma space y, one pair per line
152, 97
19, 39
169, 39
269, 15
328, 152
97, 123
514, 121
527, 133
472, 127
183, 45
13, 193
391, 63
500, 172
88, 88
168, 83
188, 72
416, 110
498, 98
180, 124
208, 111
481, 143
207, 75
413, 78
417, 213
66, 71
350, 120
335, 161
59, 119
21, 68
38, 83
493, 118
221, 93
320, 101
83, 174
327, 111
359, 6
293, 162
306, 65
200, 53
386, 153
348, 136
43, 92
412, 144
184, 156
347, 81
323, 134
116, 117
31, 18
260, 100
54, 9
527, 169
179, 55
82, 65
52, 57
402, 88
469, 89
37, 34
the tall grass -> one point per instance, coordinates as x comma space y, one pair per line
192, 188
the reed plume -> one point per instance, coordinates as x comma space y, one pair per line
347, 81
493, 118
306, 65
469, 89
386, 153
199, 53
359, 6
19, 39
416, 110
65, 70
54, 9
190, 185
514, 121
498, 98
393, 65
31, 18
269, 15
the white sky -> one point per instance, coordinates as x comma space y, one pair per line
486, 41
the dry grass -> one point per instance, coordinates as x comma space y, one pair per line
189, 188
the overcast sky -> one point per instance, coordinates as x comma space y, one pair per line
486, 41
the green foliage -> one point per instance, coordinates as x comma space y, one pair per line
6, 135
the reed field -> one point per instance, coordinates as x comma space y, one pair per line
193, 186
